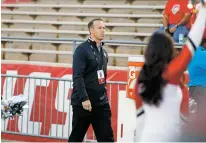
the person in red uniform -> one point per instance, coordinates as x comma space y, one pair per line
176, 18
194, 8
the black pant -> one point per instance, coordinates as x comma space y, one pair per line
99, 117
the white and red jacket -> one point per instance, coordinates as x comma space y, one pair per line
163, 123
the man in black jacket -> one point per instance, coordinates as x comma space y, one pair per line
89, 97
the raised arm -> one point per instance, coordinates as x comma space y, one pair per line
179, 64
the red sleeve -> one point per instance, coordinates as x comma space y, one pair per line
178, 65
166, 12
185, 8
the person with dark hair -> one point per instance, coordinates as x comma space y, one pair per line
89, 97
160, 84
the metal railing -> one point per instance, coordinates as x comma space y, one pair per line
74, 43
49, 114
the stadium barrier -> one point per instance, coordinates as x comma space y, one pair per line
50, 114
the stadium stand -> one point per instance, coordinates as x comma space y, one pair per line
125, 20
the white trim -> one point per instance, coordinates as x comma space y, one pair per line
190, 47
184, 118
139, 110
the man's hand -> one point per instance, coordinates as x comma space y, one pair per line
165, 29
173, 29
87, 105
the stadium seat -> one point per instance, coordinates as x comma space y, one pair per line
71, 36
2, 53
121, 20
43, 57
17, 34
69, 19
4, 34
6, 16
87, 19
146, 29
97, 15
116, 37
123, 29
122, 62
146, 39
144, 11
77, 10
92, 10
25, 17
69, 2
150, 20
18, 45
48, 17
153, 2
43, 46
84, 33
42, 9
65, 58
45, 35
4, 25
45, 26
110, 50
120, 11
57, 2
136, 50
139, 39
145, 14
17, 56
72, 27
104, 2
26, 26
132, 50
65, 47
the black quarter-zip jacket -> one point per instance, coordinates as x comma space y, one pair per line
85, 79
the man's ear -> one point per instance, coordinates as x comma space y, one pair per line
91, 30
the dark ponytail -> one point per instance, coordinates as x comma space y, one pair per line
158, 54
